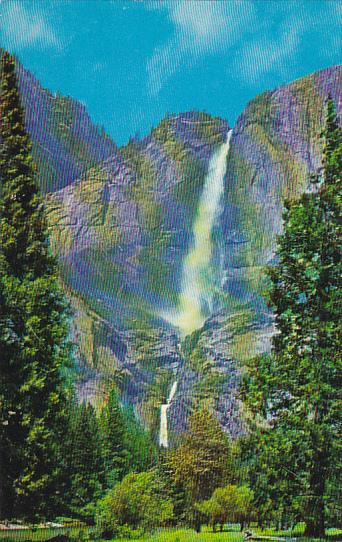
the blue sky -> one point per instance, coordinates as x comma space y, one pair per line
131, 62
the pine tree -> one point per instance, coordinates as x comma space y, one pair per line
83, 460
142, 452
34, 322
113, 429
297, 388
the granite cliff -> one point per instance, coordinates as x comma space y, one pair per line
123, 221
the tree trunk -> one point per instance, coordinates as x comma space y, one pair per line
315, 520
197, 526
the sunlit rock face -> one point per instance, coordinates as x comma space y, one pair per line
127, 223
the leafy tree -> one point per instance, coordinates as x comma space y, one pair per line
83, 459
230, 503
33, 326
297, 388
140, 501
202, 462
244, 499
213, 511
176, 489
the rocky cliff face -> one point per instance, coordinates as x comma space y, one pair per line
66, 142
122, 223
122, 231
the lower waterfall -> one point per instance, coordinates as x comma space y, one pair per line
163, 434
198, 280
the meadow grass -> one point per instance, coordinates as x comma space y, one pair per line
38, 535
188, 535
164, 535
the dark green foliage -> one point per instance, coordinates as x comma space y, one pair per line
141, 449
297, 388
270, 463
33, 327
126, 445
99, 451
113, 430
23, 238
84, 463
176, 490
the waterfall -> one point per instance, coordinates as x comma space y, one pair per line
163, 435
198, 277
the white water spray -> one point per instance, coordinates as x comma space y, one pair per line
163, 433
197, 281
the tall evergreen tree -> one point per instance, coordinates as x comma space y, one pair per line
83, 461
298, 387
142, 452
33, 326
113, 428
126, 445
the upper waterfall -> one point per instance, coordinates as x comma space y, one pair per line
197, 281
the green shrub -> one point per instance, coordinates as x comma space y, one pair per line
139, 503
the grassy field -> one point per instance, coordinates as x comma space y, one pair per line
187, 535
37, 535
165, 535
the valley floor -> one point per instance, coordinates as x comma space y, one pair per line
207, 535
165, 535
189, 535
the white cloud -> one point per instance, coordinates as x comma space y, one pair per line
24, 25
200, 28
274, 52
259, 39
264, 55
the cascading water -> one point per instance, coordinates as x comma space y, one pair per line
195, 299
163, 435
